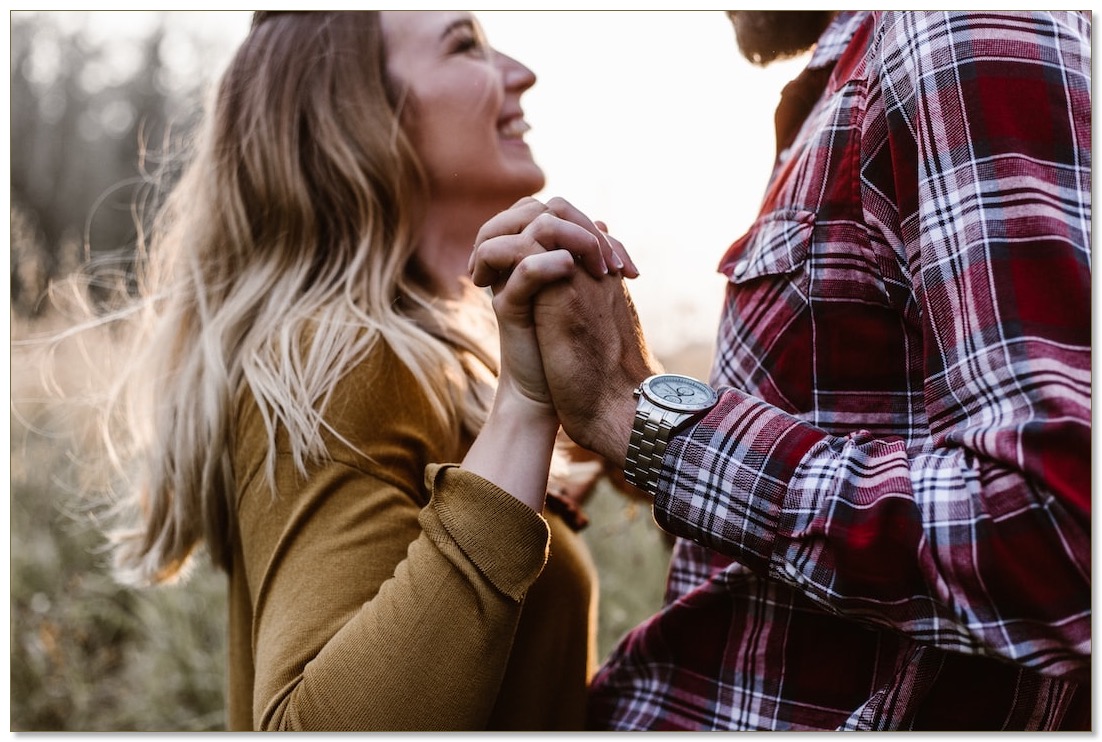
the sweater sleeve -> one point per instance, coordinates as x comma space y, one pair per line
372, 612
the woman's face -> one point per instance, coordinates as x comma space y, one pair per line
466, 122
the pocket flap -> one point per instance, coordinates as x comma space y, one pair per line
776, 244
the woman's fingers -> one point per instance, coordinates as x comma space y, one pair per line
566, 210
513, 296
530, 227
629, 270
545, 232
512, 221
614, 254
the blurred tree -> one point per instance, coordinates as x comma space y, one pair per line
83, 106
86, 653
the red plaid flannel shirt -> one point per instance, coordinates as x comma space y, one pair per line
885, 523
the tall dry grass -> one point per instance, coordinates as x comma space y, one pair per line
86, 653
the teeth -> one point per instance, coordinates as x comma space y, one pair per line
514, 128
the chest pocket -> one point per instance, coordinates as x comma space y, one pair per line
806, 302
777, 244
765, 332
832, 261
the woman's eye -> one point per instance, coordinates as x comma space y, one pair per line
466, 45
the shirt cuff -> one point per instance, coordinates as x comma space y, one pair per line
724, 480
504, 538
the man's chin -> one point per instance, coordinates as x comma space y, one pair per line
766, 36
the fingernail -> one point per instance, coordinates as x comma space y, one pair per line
617, 262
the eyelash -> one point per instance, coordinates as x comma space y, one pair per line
467, 44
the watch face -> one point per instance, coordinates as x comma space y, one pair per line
680, 393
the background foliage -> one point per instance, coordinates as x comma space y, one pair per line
90, 115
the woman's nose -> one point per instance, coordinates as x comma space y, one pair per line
516, 75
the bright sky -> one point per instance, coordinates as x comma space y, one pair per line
650, 121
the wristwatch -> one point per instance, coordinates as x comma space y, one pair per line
668, 403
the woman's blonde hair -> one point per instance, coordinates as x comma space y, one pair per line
282, 256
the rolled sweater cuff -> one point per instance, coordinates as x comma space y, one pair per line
504, 538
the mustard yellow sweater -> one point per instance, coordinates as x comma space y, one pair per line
388, 592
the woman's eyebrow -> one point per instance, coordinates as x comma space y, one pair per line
458, 23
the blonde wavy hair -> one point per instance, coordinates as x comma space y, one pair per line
281, 257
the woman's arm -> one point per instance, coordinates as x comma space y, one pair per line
372, 610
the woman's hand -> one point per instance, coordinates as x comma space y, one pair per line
531, 227
518, 253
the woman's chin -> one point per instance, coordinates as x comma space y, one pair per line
533, 182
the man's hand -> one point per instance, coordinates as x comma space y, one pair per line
518, 252
594, 356
590, 341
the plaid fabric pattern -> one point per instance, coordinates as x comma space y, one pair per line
885, 523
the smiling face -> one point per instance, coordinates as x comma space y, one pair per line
463, 111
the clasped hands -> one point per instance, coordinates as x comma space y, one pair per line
571, 343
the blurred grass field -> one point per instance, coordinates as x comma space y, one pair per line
89, 655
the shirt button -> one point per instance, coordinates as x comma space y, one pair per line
740, 267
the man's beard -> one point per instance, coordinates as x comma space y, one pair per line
765, 36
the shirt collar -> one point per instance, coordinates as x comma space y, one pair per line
836, 37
